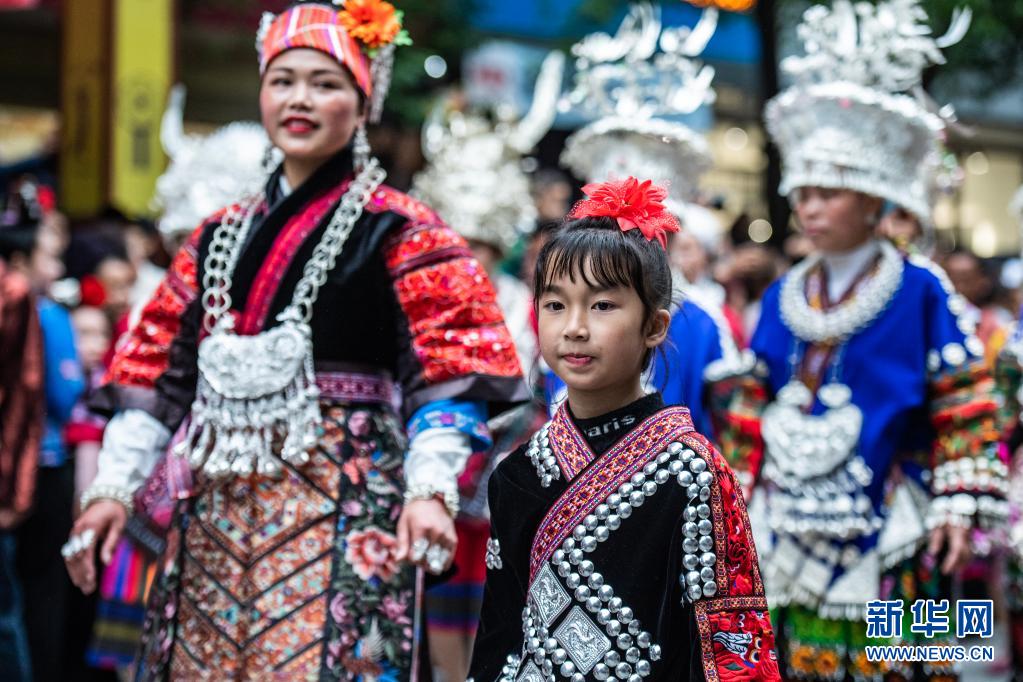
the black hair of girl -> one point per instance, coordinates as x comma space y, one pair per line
615, 258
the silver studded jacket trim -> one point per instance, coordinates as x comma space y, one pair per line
574, 625
542, 456
493, 559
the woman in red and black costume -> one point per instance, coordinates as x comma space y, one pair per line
326, 356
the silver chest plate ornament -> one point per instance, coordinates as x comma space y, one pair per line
816, 477
812, 445
256, 402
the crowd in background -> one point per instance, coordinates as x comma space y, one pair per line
87, 285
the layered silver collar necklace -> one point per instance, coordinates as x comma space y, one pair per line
842, 321
256, 401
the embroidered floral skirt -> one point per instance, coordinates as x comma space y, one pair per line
292, 578
815, 648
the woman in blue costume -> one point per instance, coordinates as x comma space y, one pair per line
880, 431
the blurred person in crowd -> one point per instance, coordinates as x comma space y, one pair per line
877, 411
694, 252
971, 278
117, 276
83, 435
1009, 293
540, 235
36, 254
93, 340
21, 427
475, 182
143, 247
1009, 376
796, 247
366, 289
901, 227
695, 249
749, 271
552, 195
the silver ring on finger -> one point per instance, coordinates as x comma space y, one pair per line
77, 544
437, 558
419, 548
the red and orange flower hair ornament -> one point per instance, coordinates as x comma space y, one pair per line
633, 204
374, 23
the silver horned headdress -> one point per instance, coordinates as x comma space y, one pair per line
206, 173
474, 179
635, 82
857, 116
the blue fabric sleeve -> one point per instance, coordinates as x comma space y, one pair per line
468, 416
65, 382
693, 343
945, 327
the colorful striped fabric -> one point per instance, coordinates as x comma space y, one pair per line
316, 27
124, 589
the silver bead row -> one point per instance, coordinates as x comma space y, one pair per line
542, 456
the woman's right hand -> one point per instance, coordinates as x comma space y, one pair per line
106, 519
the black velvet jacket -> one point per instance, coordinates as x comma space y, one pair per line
556, 550
406, 297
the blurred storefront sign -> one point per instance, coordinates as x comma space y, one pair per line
502, 74
142, 71
118, 58
736, 39
84, 94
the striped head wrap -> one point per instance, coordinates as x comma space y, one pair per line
318, 27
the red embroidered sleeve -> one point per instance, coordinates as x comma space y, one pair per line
970, 481
142, 355
736, 636
737, 401
455, 324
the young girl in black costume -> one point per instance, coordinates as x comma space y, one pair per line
621, 547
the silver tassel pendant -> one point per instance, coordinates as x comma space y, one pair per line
256, 404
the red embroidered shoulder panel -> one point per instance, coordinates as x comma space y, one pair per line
142, 355
456, 325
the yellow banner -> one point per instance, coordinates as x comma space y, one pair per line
84, 107
143, 65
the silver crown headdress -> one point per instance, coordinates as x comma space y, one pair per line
636, 90
475, 179
857, 116
206, 173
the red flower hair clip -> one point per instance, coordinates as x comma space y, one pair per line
93, 293
634, 204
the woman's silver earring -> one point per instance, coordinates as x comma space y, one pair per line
361, 149
269, 159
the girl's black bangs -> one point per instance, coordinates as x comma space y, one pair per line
610, 259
